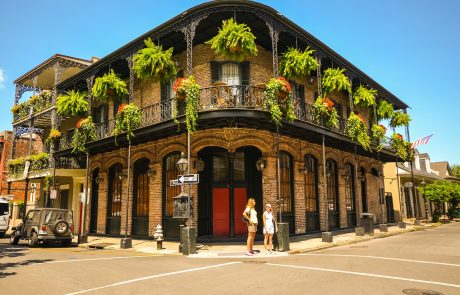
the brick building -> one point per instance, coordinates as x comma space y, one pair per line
325, 179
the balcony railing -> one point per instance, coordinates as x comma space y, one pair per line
40, 104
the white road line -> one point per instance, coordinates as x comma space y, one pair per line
365, 274
383, 258
153, 277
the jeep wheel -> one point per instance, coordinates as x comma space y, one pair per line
67, 243
33, 240
60, 227
14, 238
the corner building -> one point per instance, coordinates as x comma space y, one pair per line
325, 180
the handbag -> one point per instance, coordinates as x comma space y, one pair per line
244, 218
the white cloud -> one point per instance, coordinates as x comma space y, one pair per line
2, 79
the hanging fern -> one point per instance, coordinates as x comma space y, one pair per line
128, 118
72, 103
378, 135
401, 147
364, 97
109, 87
188, 89
399, 119
234, 41
84, 133
278, 100
385, 110
357, 130
335, 79
324, 113
296, 63
154, 63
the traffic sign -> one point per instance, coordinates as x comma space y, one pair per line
189, 178
174, 182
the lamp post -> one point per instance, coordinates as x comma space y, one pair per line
427, 211
127, 242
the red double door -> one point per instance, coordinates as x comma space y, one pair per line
221, 210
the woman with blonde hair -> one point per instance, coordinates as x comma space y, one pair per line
250, 214
269, 228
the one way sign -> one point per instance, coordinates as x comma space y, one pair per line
188, 178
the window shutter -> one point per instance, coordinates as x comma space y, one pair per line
164, 91
245, 73
214, 71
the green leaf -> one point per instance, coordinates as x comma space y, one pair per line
296, 63
109, 87
72, 103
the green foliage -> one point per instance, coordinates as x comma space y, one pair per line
109, 87
296, 63
442, 191
399, 119
357, 130
84, 133
378, 135
154, 63
324, 113
234, 41
20, 110
127, 119
191, 89
335, 79
385, 110
53, 136
37, 162
72, 103
278, 100
364, 97
456, 170
401, 147
41, 101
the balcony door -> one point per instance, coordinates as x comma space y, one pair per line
141, 198
114, 194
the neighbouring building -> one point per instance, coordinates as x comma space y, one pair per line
325, 179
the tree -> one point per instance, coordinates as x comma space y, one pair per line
443, 191
456, 170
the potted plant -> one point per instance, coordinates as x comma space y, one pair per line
401, 147
378, 135
85, 132
128, 118
154, 63
324, 113
20, 110
364, 97
187, 89
234, 41
72, 103
278, 100
39, 161
384, 110
54, 136
357, 130
296, 63
399, 119
109, 87
335, 79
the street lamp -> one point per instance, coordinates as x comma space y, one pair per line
182, 164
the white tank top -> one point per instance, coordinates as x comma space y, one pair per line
268, 218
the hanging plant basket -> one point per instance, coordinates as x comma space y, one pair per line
278, 100
399, 119
187, 89
109, 87
85, 132
385, 110
72, 103
335, 79
324, 113
154, 63
364, 97
401, 147
234, 41
296, 63
378, 135
54, 136
128, 118
357, 130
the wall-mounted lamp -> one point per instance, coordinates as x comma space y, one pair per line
347, 175
260, 164
99, 179
151, 172
121, 175
304, 170
199, 165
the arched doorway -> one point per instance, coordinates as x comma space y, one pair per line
332, 194
171, 226
311, 193
94, 201
114, 194
350, 195
141, 198
227, 181
287, 190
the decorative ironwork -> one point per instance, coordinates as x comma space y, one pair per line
70, 163
19, 131
21, 89
129, 59
89, 87
318, 78
275, 28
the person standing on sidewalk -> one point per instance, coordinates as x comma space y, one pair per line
269, 228
251, 215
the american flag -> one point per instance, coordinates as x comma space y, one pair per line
420, 141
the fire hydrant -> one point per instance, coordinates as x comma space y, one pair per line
158, 236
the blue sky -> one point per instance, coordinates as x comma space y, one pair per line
410, 47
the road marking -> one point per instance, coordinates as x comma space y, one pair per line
365, 274
154, 277
383, 258
95, 259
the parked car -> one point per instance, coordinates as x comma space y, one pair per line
4, 216
45, 225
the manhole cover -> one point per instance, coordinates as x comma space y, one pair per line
421, 292
254, 261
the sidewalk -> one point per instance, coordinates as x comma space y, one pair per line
298, 244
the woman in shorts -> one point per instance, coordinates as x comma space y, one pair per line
251, 215
269, 228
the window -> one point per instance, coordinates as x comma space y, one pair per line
332, 195
220, 167
141, 197
171, 173
99, 114
230, 73
238, 167
311, 184
115, 191
285, 181
349, 187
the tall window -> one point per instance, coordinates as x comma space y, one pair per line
331, 172
230, 73
170, 174
285, 181
311, 184
115, 191
349, 187
141, 199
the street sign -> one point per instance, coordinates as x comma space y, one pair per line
26, 169
174, 182
189, 178
53, 194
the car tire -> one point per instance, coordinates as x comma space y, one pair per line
60, 227
2, 234
33, 240
67, 243
14, 238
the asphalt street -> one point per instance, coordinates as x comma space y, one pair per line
423, 262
